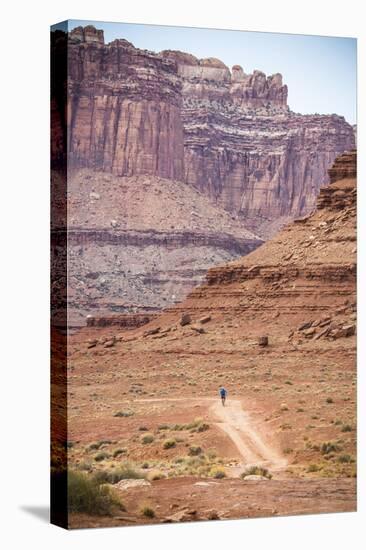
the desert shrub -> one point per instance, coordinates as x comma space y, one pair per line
147, 439
85, 466
345, 459
163, 427
143, 429
145, 466
256, 471
211, 453
114, 476
194, 450
169, 443
98, 444
288, 451
155, 476
217, 472
329, 400
313, 468
70, 444
101, 456
346, 428
86, 494
118, 452
329, 447
124, 414
203, 427
147, 512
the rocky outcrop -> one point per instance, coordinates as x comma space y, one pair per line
127, 321
345, 166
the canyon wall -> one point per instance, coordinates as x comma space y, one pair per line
227, 133
124, 108
174, 165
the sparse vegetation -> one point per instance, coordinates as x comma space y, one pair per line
169, 443
312, 468
194, 450
115, 475
346, 428
147, 439
96, 446
217, 472
329, 447
155, 476
86, 494
119, 452
148, 512
256, 471
101, 456
124, 414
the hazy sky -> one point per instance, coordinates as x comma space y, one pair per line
320, 71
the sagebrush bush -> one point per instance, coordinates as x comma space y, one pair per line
346, 428
217, 472
256, 471
147, 438
147, 512
169, 443
114, 476
86, 494
124, 414
194, 450
101, 456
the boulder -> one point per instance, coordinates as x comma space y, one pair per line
263, 341
185, 319
126, 484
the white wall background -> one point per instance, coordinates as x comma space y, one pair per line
24, 341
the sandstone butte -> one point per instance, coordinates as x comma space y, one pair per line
291, 403
143, 129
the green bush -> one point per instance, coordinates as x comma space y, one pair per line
329, 447
101, 456
118, 452
169, 443
313, 468
217, 472
114, 476
147, 512
147, 438
346, 428
96, 446
194, 450
124, 414
256, 471
86, 494
345, 459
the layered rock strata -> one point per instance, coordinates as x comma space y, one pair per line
140, 244
227, 133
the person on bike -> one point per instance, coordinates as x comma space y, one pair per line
223, 394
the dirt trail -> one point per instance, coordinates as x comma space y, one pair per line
236, 424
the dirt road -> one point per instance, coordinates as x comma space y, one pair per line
236, 424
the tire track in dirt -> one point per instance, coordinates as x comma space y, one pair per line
236, 424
